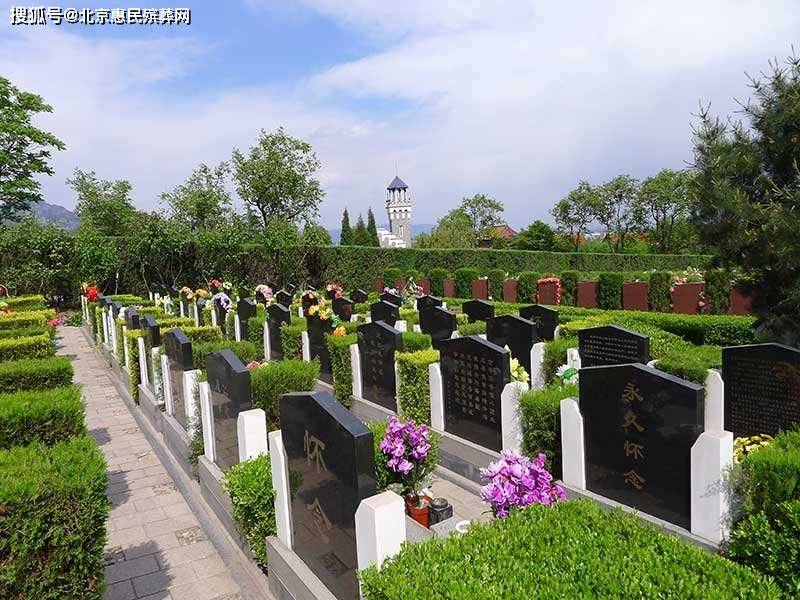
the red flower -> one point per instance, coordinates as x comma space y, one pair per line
91, 293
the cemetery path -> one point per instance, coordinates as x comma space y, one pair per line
156, 548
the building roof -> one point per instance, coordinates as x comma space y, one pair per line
397, 184
504, 231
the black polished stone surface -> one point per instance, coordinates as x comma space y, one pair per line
392, 298
377, 343
221, 317
284, 297
229, 381
131, 318
290, 287
762, 388
245, 309
612, 345
103, 300
178, 349
116, 307
151, 330
359, 296
343, 308
639, 427
384, 311
546, 320
426, 302
515, 332
437, 323
478, 310
332, 452
317, 328
277, 315
474, 373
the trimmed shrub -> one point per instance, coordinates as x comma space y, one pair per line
527, 286
437, 276
134, 375
414, 341
609, 290
272, 379
35, 374
772, 475
21, 320
573, 549
37, 346
569, 288
413, 390
658, 295
6, 334
341, 367
496, 278
540, 415
464, 278
167, 323
203, 334
255, 329
691, 362
476, 328
53, 521
390, 275
26, 303
409, 315
718, 291
555, 355
246, 351
249, 484
46, 416
292, 338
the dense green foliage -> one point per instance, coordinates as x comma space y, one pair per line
718, 291
464, 277
658, 296
527, 286
272, 379
414, 341
37, 346
413, 389
46, 416
246, 351
496, 278
35, 374
203, 334
341, 366
540, 414
437, 275
569, 288
609, 291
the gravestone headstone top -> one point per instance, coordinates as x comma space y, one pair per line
151, 329
178, 350
438, 323
318, 346
384, 311
515, 332
332, 453
478, 310
359, 296
277, 315
343, 308
639, 428
245, 309
290, 287
284, 297
377, 344
545, 318
229, 381
392, 298
307, 300
116, 307
612, 345
131, 318
762, 388
426, 302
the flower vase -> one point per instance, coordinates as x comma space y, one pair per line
420, 511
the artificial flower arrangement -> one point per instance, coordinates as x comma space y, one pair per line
334, 290
742, 446
165, 302
263, 293
202, 294
322, 309
515, 481
407, 446
690, 275
252, 365
187, 292
91, 292
567, 374
215, 284
556, 281
222, 300
411, 292
518, 372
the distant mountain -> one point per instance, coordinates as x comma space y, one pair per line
415, 230
54, 213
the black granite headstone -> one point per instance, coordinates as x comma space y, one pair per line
612, 345
317, 328
277, 315
762, 388
229, 381
116, 307
377, 343
437, 323
332, 452
222, 315
639, 428
290, 287
515, 332
308, 300
384, 311
478, 310
474, 373
426, 302
283, 297
546, 320
359, 296
245, 309
343, 308
178, 349
103, 300
131, 318
392, 298
152, 339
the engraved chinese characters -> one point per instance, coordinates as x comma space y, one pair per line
178, 350
612, 345
377, 343
762, 388
639, 428
474, 373
277, 315
545, 319
229, 381
332, 452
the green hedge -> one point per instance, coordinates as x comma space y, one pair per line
573, 549
464, 277
437, 275
569, 288
26, 319
53, 521
540, 418
718, 291
26, 332
772, 474
246, 351
414, 341
609, 291
691, 362
658, 295
555, 355
272, 379
255, 329
292, 338
390, 275
35, 374
202, 334
37, 346
496, 278
341, 366
134, 376
476, 328
413, 390
46, 416
26, 303
527, 286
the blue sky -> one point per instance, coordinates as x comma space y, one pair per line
519, 100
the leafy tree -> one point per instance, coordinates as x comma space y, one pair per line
277, 178
665, 200
202, 202
454, 230
574, 213
746, 196
483, 212
316, 235
346, 235
372, 229
360, 233
618, 209
25, 150
104, 206
536, 236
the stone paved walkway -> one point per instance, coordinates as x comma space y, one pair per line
156, 548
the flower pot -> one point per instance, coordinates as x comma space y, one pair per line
634, 295
421, 513
480, 289
740, 304
685, 297
449, 288
425, 284
587, 294
510, 290
548, 293
400, 283
377, 285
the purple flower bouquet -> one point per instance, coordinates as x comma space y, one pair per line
407, 446
515, 481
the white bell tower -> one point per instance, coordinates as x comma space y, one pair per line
398, 209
